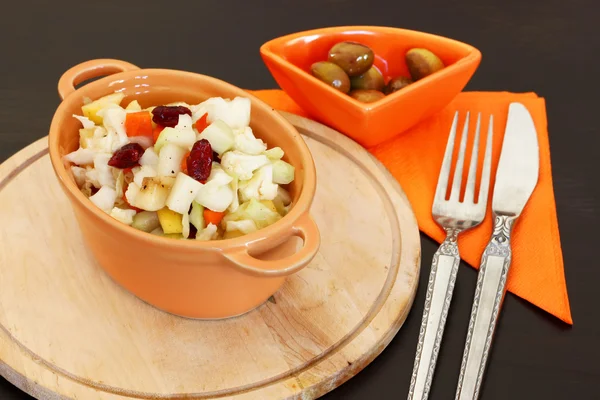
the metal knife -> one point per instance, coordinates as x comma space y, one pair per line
516, 178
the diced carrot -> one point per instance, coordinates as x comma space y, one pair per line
184, 163
212, 217
156, 132
201, 124
138, 124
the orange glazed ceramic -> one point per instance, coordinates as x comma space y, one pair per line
213, 279
289, 59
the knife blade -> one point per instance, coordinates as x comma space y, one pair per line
516, 178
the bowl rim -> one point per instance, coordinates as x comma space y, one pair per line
267, 51
286, 223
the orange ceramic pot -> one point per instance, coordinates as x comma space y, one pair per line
289, 59
213, 279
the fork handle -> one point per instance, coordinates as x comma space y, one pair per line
442, 277
489, 295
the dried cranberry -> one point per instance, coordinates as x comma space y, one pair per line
216, 157
169, 115
193, 232
127, 156
199, 162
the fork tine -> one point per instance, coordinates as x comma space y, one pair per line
442, 185
487, 164
470, 190
457, 180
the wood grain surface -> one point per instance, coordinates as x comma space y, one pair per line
67, 330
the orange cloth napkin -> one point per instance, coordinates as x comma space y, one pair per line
414, 157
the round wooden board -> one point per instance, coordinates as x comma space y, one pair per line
68, 332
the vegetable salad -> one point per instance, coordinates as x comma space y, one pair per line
178, 170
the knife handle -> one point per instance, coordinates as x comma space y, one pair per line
442, 277
489, 294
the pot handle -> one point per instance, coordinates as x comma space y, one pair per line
305, 228
90, 69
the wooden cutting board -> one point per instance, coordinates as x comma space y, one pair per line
68, 331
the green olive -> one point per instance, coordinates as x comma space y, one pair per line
397, 83
366, 95
332, 75
354, 58
372, 79
422, 62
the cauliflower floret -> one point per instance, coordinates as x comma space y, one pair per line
242, 165
247, 143
261, 186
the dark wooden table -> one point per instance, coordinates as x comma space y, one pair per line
551, 47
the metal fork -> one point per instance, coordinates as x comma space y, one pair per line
455, 217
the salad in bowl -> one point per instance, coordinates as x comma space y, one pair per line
179, 170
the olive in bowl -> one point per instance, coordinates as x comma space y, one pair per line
290, 57
350, 68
